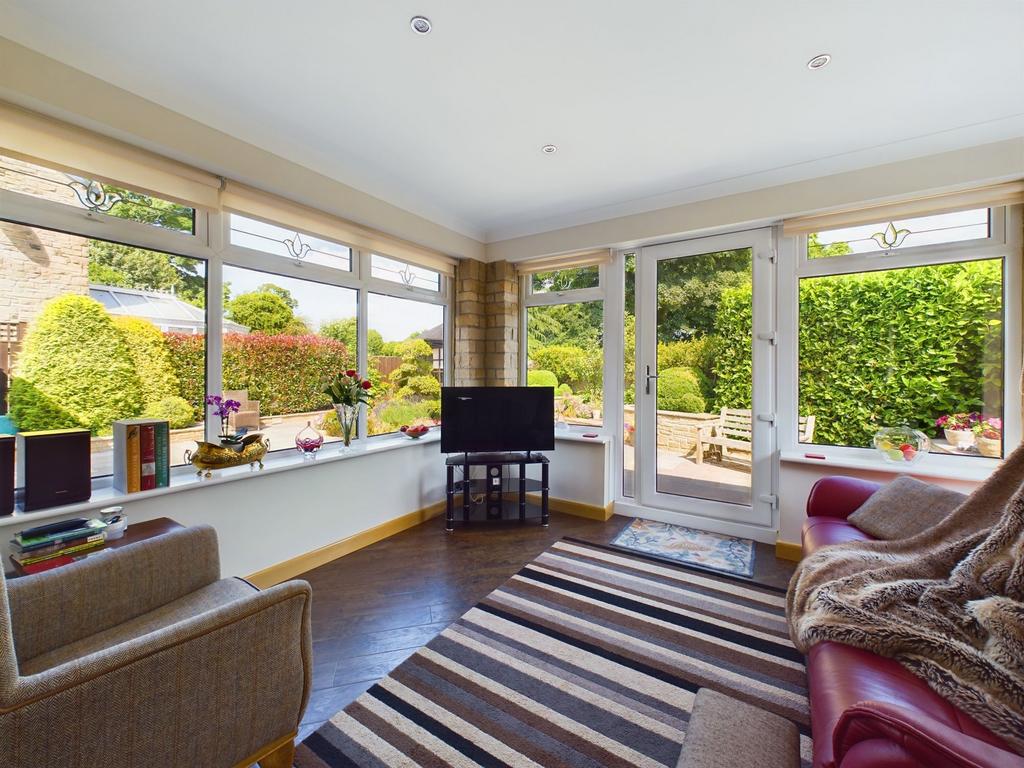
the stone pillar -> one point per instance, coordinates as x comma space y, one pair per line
470, 324
502, 306
486, 324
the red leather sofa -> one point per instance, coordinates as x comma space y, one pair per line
866, 710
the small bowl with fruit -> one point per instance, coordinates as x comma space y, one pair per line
902, 445
416, 431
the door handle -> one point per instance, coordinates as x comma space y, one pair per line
647, 387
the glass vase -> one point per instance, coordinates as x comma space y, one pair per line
348, 417
308, 441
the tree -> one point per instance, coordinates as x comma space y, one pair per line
124, 266
578, 325
815, 249
261, 311
284, 293
345, 332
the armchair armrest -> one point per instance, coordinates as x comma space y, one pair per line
838, 496
870, 733
59, 607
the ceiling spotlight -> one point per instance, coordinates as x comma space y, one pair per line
549, 149
819, 61
420, 25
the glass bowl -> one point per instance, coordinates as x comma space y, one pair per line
902, 444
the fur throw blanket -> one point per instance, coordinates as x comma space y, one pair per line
948, 603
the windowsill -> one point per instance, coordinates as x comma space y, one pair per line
576, 435
935, 466
184, 478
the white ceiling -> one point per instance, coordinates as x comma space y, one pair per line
649, 102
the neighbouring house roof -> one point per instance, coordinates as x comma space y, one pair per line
434, 336
164, 310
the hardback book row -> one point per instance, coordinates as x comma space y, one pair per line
141, 455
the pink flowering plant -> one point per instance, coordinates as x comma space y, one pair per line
989, 427
222, 409
959, 422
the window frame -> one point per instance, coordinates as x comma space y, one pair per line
1004, 242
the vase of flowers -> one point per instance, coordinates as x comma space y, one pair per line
959, 429
988, 437
223, 409
348, 391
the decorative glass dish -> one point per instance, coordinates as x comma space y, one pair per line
902, 444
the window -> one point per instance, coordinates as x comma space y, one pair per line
405, 345
96, 332
408, 275
883, 236
283, 339
919, 339
561, 280
81, 192
279, 241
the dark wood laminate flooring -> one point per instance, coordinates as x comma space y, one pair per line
373, 608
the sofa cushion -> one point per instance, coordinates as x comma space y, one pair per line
840, 676
820, 531
904, 508
200, 601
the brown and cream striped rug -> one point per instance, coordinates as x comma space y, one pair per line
587, 657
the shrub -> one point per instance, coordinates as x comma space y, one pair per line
329, 424
563, 390
580, 368
149, 354
75, 361
186, 352
421, 387
417, 360
698, 354
541, 378
679, 390
176, 410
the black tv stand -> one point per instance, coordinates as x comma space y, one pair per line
469, 486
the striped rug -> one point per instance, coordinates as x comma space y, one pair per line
587, 657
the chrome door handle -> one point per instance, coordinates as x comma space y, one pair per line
647, 387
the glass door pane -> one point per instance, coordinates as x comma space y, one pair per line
703, 417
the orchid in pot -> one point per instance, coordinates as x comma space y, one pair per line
959, 428
348, 391
988, 436
223, 409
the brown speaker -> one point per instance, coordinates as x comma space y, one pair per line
53, 468
6, 474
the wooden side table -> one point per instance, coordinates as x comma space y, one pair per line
134, 533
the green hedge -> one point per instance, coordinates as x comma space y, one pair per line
150, 357
581, 369
285, 373
177, 411
679, 390
541, 378
881, 348
696, 354
74, 370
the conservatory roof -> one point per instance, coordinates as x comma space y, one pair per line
159, 308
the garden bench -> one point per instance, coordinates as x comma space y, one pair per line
733, 428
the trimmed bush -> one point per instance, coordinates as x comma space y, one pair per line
679, 390
581, 369
176, 410
75, 361
698, 354
541, 378
421, 387
563, 390
149, 354
417, 360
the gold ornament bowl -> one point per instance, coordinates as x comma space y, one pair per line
210, 456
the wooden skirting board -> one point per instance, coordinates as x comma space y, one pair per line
786, 550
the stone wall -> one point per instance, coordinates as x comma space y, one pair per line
486, 324
676, 431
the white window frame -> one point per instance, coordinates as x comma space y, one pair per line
1004, 242
608, 330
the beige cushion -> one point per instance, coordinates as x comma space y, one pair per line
904, 508
726, 733
202, 600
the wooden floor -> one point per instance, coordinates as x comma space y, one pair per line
375, 607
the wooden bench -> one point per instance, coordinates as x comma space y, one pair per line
733, 429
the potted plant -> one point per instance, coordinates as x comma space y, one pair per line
223, 409
988, 436
959, 429
348, 391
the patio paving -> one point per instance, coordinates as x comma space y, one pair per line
728, 481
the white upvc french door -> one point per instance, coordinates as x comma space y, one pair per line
708, 451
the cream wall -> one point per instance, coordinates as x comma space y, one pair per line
37, 82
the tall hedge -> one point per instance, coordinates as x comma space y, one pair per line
881, 348
580, 368
285, 373
75, 369
151, 359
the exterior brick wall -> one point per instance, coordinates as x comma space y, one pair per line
486, 324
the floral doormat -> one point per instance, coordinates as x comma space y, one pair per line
689, 546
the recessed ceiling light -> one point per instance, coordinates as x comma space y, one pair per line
420, 25
549, 149
819, 61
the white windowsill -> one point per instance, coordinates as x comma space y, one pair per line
951, 467
185, 478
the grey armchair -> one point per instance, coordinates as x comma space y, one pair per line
143, 657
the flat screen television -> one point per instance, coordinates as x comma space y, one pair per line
492, 419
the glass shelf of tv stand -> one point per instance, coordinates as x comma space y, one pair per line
508, 485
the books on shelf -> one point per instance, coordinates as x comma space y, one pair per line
141, 455
48, 546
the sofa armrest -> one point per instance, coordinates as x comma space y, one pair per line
838, 496
873, 732
58, 607
222, 685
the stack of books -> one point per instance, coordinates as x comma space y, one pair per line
141, 455
56, 544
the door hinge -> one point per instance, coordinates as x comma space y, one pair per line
771, 255
769, 417
769, 337
770, 499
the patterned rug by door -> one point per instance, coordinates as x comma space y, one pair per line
690, 546
588, 657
